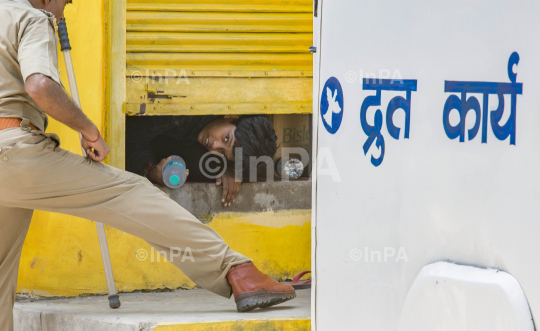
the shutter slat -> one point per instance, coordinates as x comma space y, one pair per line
220, 39
218, 8
224, 59
282, 3
205, 21
216, 28
213, 49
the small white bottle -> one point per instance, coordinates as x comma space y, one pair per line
292, 168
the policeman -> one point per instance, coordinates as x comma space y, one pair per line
35, 173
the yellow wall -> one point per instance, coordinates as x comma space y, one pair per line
282, 324
61, 255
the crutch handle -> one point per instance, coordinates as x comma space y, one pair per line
63, 34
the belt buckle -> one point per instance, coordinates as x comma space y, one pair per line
25, 125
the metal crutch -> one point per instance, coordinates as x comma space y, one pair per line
114, 299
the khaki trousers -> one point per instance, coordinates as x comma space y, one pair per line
36, 174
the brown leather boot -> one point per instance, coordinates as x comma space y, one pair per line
253, 289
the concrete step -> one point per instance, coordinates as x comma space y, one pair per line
183, 310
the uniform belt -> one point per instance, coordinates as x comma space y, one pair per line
12, 122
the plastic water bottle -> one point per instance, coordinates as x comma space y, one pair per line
174, 172
292, 168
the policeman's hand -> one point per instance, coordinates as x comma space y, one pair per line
98, 150
157, 173
231, 187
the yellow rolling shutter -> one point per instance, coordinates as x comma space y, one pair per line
218, 56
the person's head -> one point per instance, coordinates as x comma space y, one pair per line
55, 7
255, 134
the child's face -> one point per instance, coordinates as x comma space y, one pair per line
218, 136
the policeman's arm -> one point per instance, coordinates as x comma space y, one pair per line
52, 99
37, 56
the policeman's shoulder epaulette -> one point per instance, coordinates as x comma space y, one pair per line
49, 15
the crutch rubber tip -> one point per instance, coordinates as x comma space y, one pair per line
114, 301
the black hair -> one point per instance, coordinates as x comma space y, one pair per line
256, 136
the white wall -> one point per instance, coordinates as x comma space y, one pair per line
437, 198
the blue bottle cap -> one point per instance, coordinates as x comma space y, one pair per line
174, 180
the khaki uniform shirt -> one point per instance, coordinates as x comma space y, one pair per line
28, 45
